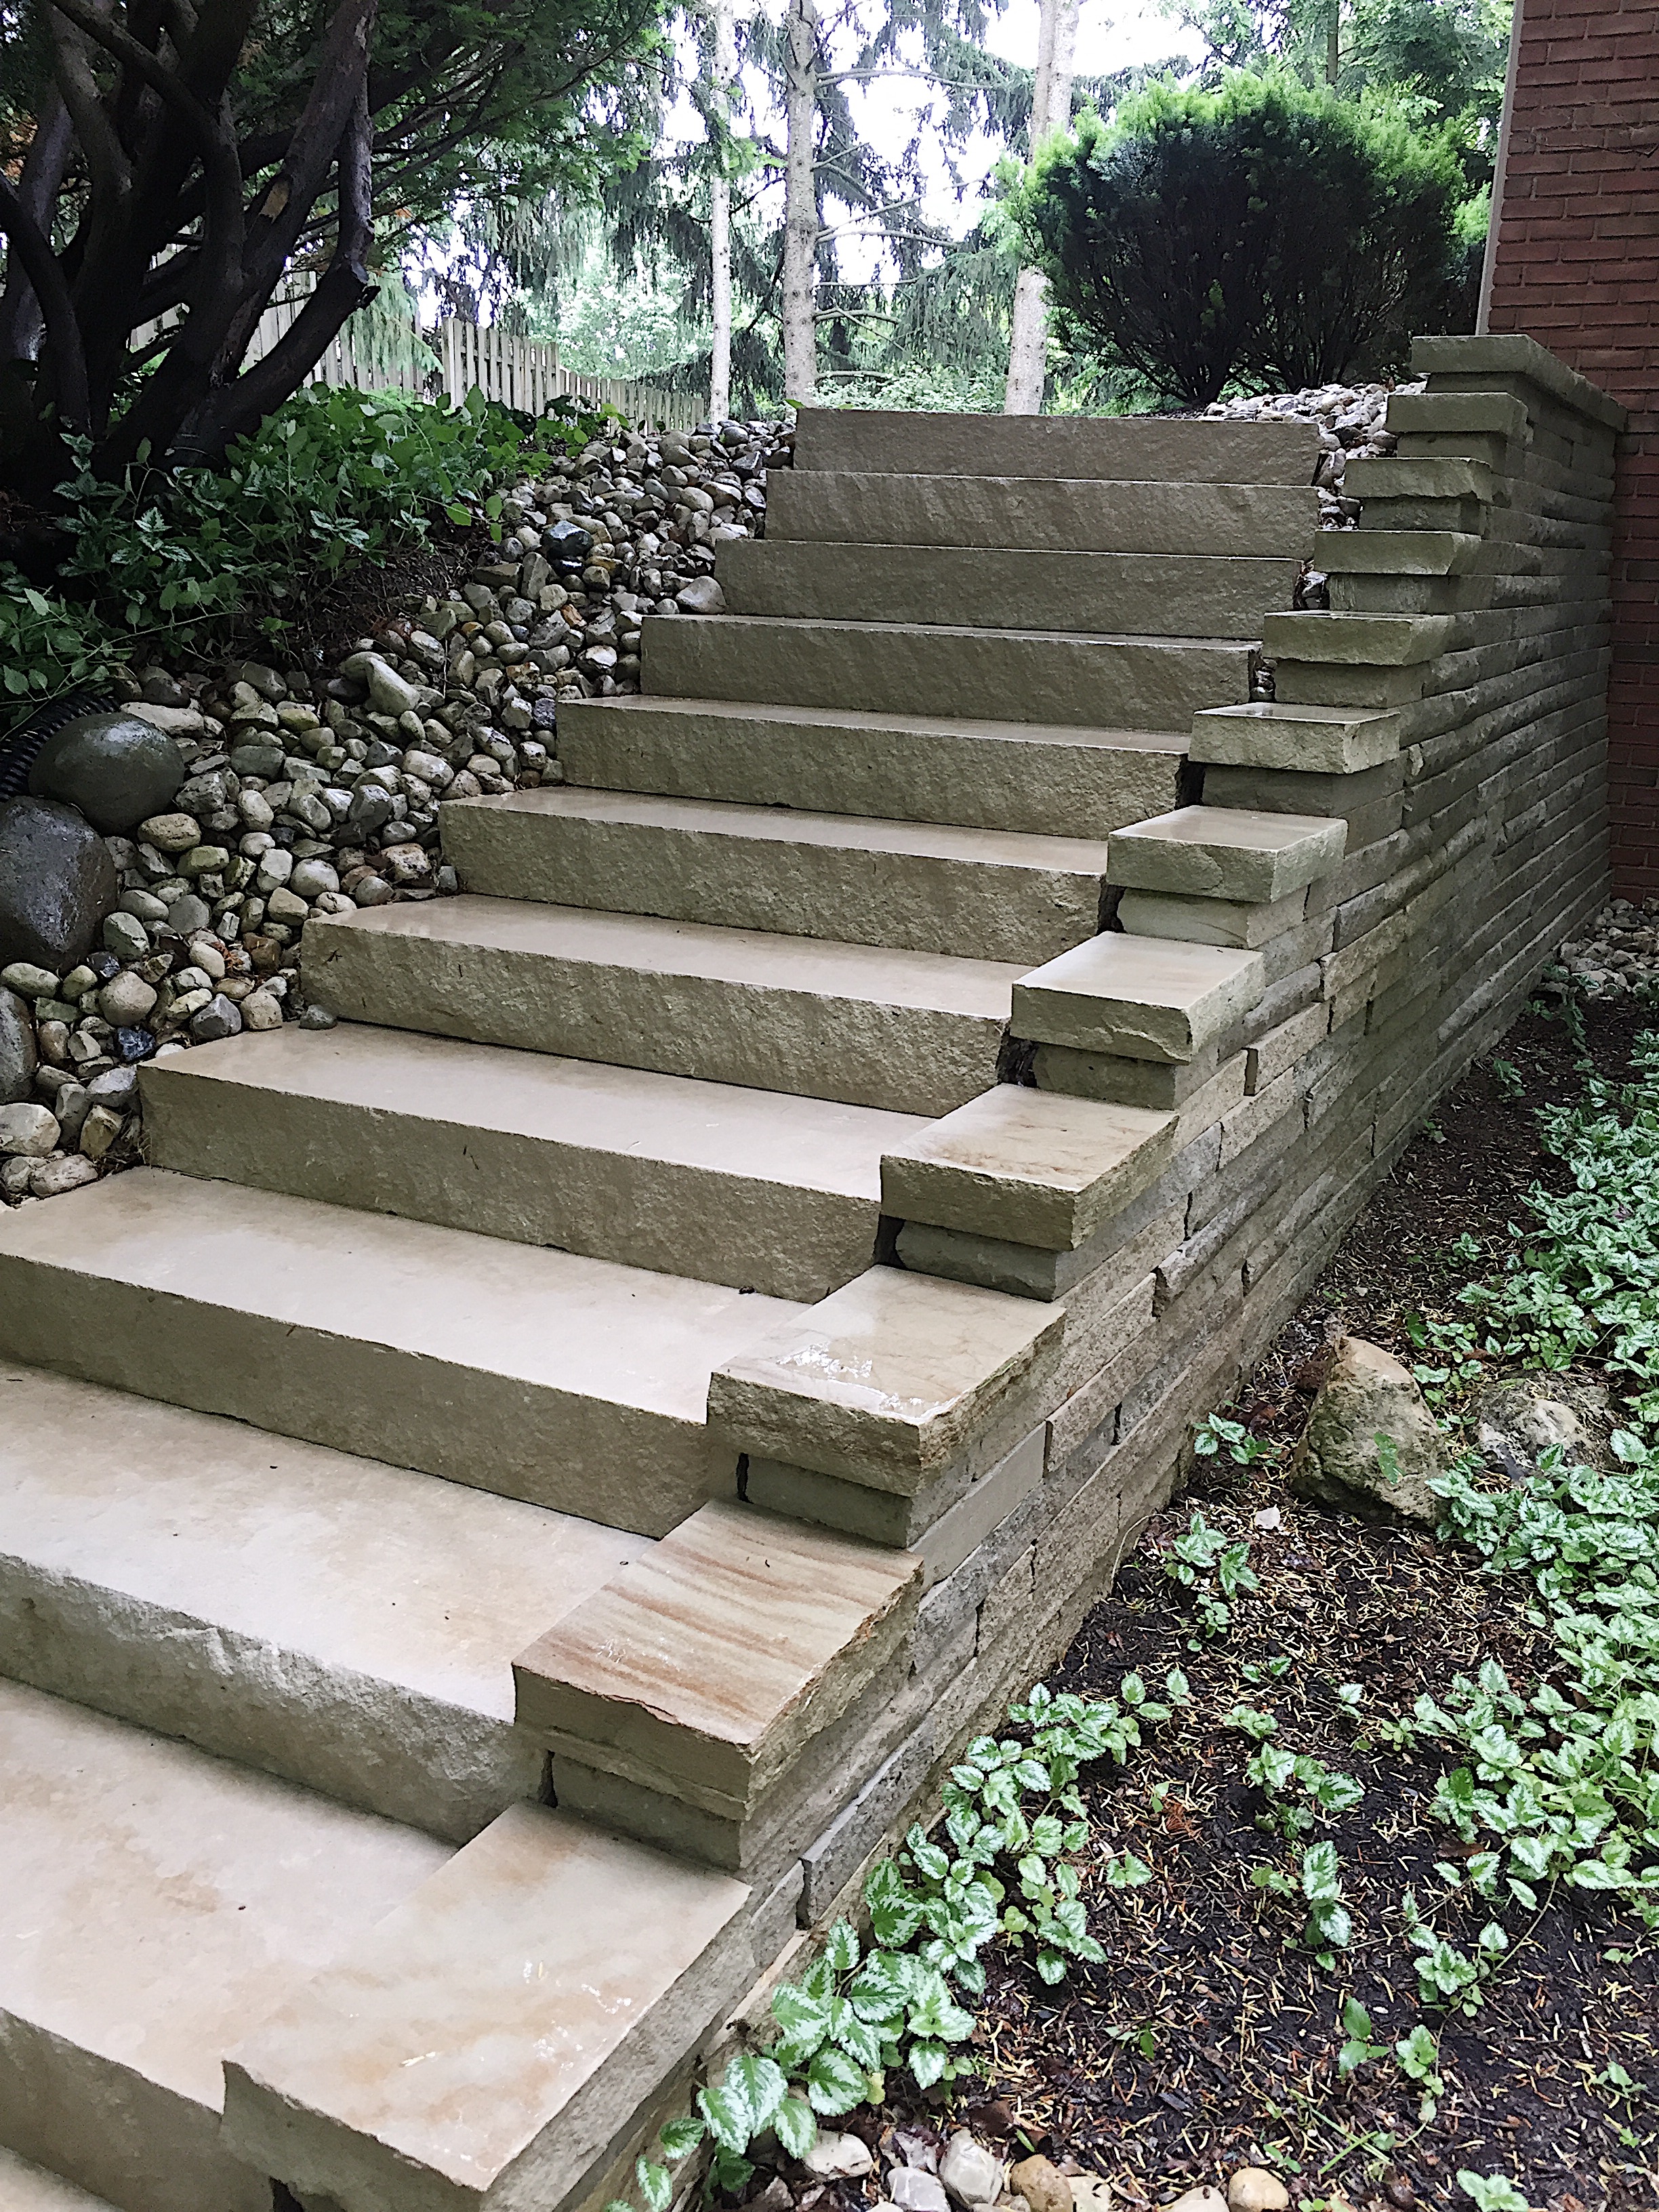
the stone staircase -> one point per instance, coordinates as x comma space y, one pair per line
544, 1316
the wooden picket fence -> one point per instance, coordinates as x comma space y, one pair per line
518, 372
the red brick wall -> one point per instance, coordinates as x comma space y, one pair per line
1577, 267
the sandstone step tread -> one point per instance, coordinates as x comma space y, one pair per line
498, 2027
792, 826
705, 1668
1137, 448
760, 1189
1047, 515
346, 1624
1318, 740
157, 1902
1045, 777
1041, 675
916, 1032
1008, 587
980, 894
573, 1383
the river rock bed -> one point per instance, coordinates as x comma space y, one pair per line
1350, 419
1616, 954
157, 876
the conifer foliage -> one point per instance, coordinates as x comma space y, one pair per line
1267, 230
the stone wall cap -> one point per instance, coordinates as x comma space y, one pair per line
1511, 353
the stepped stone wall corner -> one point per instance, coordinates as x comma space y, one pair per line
600, 1427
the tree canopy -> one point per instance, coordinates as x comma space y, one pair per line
172, 163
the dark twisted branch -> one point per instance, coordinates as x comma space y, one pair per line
68, 359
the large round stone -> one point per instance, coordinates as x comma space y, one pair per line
18, 1058
56, 884
117, 768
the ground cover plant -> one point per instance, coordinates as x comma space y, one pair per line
1365, 1890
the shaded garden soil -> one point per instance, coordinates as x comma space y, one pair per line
1209, 2039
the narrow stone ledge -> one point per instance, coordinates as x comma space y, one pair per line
1365, 552
703, 1668
1361, 641
1244, 925
1392, 478
1144, 998
887, 1381
1441, 414
1305, 740
1029, 1167
1225, 852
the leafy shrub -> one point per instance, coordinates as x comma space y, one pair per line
335, 479
1262, 230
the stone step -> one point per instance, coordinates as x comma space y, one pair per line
886, 667
1133, 594
1227, 853
693, 1701
764, 1190
488, 2043
1028, 1167
1142, 449
1318, 740
156, 1904
1053, 515
25, 2187
978, 894
917, 1032
1047, 779
568, 1382
1140, 998
898, 1383
344, 1624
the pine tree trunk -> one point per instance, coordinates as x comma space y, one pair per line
800, 220
1051, 110
719, 221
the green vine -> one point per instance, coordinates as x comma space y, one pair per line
1003, 1863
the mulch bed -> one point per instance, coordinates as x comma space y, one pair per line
1209, 2039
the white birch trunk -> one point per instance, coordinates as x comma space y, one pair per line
1051, 110
800, 219
719, 221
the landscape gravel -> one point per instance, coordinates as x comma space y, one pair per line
274, 793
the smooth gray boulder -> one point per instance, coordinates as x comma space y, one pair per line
1371, 1444
56, 884
117, 768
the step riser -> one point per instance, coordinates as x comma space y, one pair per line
1124, 448
817, 507
131, 2141
846, 895
370, 1744
915, 1059
635, 1468
1126, 594
891, 772
1089, 683
675, 1219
